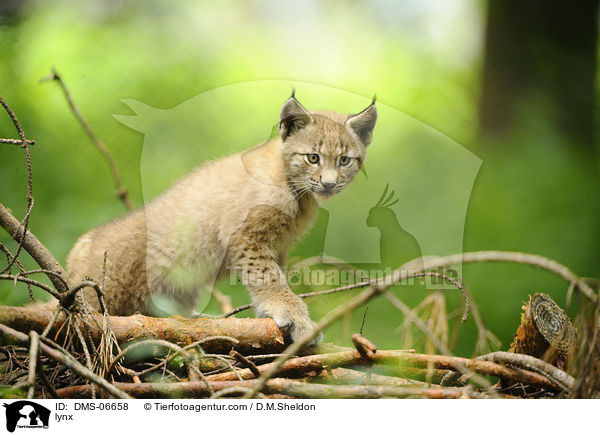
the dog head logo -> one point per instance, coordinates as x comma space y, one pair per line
26, 414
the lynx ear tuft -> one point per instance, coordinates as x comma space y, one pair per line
363, 123
293, 117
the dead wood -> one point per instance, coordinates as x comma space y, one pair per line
557, 376
545, 332
255, 336
286, 387
35, 248
346, 376
11, 336
301, 366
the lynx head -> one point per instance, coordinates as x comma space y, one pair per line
323, 151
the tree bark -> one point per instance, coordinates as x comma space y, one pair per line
255, 336
42, 256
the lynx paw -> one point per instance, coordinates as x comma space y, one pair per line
298, 327
296, 324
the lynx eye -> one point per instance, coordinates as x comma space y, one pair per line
345, 160
313, 158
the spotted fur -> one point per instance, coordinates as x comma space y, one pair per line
241, 214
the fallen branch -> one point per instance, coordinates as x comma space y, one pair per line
528, 362
35, 248
287, 387
254, 335
300, 366
343, 375
309, 336
374, 290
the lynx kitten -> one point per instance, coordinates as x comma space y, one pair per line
241, 213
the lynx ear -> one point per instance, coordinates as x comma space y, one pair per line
362, 124
293, 117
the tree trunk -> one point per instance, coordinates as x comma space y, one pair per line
540, 68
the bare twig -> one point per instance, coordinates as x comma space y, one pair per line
587, 364
86, 352
121, 190
378, 282
67, 360
23, 225
108, 341
55, 314
198, 343
486, 340
68, 297
34, 347
364, 346
46, 382
30, 281
309, 336
14, 260
303, 295
245, 362
17, 141
190, 359
34, 247
528, 362
330, 317
510, 257
401, 306
47, 272
301, 366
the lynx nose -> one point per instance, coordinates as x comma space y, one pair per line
328, 179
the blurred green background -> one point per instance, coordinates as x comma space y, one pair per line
514, 84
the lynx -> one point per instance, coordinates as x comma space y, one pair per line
240, 213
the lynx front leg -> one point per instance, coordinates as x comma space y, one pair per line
272, 296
